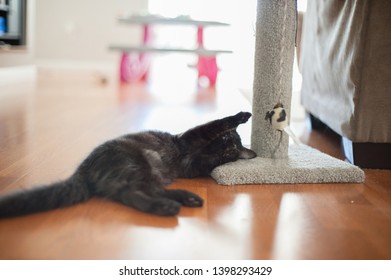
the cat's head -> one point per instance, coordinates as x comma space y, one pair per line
229, 147
231, 141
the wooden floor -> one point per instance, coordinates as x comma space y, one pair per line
47, 127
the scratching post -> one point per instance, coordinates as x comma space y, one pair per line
277, 162
273, 67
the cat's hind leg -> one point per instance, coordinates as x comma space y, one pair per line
185, 198
150, 204
132, 180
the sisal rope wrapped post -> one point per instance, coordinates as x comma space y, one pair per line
273, 67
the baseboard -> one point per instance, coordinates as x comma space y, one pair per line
56, 64
17, 74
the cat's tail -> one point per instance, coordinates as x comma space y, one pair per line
44, 198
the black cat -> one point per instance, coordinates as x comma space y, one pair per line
135, 168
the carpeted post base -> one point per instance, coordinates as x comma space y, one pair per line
303, 165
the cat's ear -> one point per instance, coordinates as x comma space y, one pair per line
245, 153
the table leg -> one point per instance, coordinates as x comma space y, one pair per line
135, 66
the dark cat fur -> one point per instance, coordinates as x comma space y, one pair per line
135, 168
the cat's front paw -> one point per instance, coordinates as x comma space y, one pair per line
242, 117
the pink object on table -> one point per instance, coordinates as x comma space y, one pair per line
134, 66
207, 65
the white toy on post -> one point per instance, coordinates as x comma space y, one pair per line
279, 121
